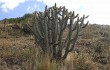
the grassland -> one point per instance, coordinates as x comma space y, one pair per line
17, 53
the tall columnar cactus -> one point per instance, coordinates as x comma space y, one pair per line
49, 26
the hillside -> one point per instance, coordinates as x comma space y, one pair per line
16, 47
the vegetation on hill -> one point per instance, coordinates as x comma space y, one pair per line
18, 19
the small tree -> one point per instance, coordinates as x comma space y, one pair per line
49, 27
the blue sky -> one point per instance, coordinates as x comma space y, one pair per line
28, 6
98, 10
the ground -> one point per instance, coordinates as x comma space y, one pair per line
17, 53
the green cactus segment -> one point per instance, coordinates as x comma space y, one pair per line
49, 28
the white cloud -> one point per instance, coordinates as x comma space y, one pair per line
39, 0
33, 8
28, 8
6, 5
97, 9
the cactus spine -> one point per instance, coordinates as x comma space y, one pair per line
49, 27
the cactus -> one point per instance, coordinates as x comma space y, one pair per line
49, 26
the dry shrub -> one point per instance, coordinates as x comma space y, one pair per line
45, 64
3, 34
81, 62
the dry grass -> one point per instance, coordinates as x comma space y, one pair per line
15, 42
22, 50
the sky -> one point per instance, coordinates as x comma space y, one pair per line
98, 10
